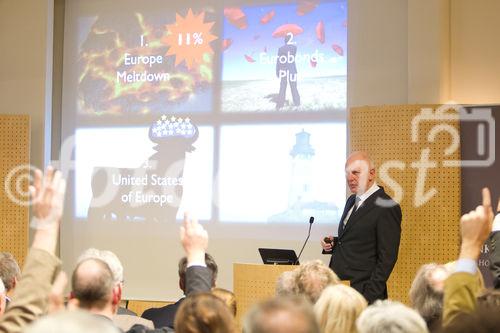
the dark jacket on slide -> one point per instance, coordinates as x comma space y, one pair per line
198, 279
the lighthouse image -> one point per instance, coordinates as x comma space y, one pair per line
302, 155
302, 199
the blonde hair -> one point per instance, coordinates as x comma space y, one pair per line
312, 277
227, 297
337, 309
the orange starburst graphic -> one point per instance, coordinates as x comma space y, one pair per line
189, 38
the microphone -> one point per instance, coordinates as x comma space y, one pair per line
311, 220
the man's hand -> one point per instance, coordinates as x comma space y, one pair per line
47, 193
327, 243
194, 239
475, 228
48, 198
56, 296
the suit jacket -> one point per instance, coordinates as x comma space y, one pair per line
126, 321
460, 292
30, 298
367, 248
494, 245
198, 279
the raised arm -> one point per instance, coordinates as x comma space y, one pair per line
461, 287
31, 295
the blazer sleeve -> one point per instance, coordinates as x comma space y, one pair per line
198, 279
460, 292
388, 238
31, 295
494, 245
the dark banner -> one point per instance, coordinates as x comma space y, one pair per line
480, 160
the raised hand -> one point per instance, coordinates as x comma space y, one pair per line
47, 193
475, 227
194, 239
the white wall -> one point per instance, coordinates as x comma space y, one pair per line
475, 51
377, 52
25, 67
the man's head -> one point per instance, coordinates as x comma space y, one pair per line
390, 317
209, 261
2, 298
359, 172
427, 292
312, 277
204, 312
109, 258
291, 314
286, 285
94, 287
10, 272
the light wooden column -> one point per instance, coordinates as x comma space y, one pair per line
14, 155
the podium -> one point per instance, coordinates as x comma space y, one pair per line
256, 282
253, 283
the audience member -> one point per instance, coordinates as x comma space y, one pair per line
10, 273
164, 316
390, 317
426, 293
30, 297
3, 302
462, 287
75, 321
494, 246
489, 299
124, 319
204, 313
292, 314
337, 309
227, 297
285, 285
312, 278
94, 286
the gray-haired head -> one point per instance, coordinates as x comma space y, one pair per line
9, 270
109, 258
72, 321
285, 285
312, 277
427, 292
2, 298
390, 317
92, 284
291, 314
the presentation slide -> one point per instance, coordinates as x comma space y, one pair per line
287, 57
235, 113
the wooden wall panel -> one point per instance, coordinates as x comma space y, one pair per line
430, 229
14, 153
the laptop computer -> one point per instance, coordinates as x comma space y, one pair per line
278, 256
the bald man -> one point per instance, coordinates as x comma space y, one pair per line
369, 232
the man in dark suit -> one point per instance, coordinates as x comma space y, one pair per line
164, 316
369, 232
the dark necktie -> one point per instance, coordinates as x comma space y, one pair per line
354, 208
